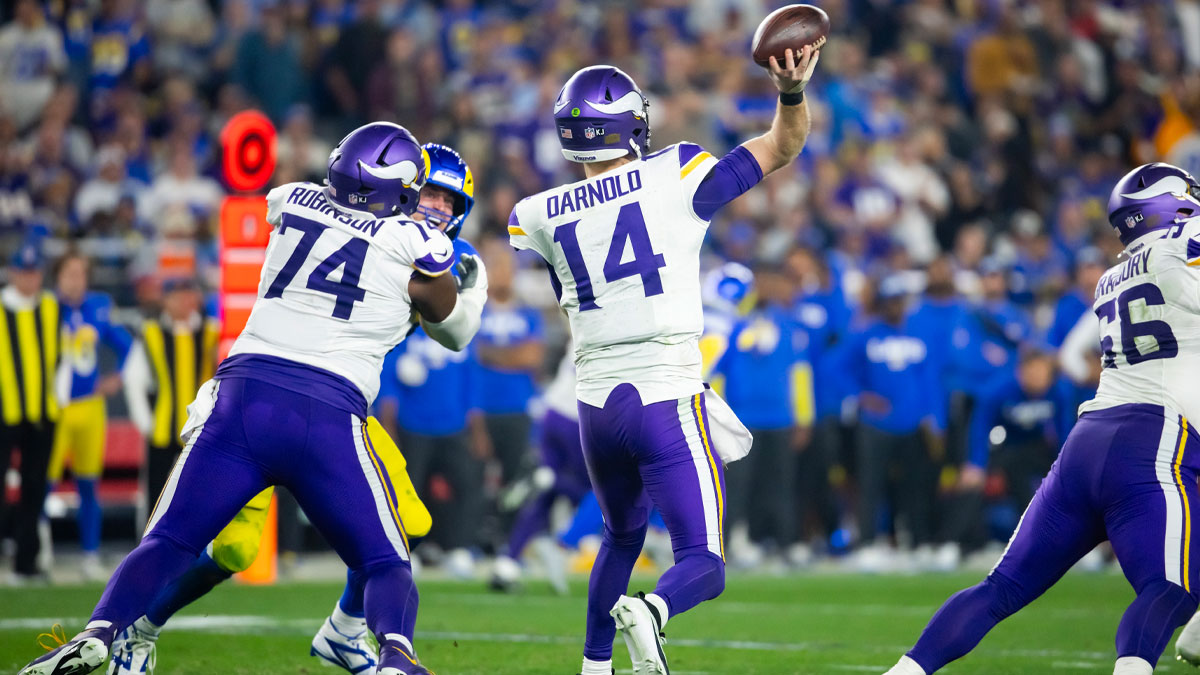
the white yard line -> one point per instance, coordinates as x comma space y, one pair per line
237, 623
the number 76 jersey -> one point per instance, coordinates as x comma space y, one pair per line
1149, 310
334, 287
624, 253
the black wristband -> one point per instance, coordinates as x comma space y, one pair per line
791, 99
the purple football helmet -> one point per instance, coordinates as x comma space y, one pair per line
601, 115
378, 168
1151, 197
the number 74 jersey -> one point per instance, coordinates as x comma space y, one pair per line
624, 253
1149, 310
334, 287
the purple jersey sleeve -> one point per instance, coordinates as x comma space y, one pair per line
728, 179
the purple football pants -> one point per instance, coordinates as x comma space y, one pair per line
1126, 474
639, 456
259, 435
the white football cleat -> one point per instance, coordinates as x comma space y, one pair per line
642, 629
351, 653
506, 574
83, 654
134, 652
1187, 647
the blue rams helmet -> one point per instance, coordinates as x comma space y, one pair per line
378, 168
729, 288
448, 170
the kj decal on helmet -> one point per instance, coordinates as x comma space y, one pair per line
1150, 198
448, 170
601, 115
378, 168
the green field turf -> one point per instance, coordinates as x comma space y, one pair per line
805, 624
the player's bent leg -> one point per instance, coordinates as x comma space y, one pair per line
211, 470
1150, 519
686, 481
344, 486
1056, 531
236, 547
625, 507
88, 464
413, 512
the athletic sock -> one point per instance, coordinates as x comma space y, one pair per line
1132, 665
352, 596
147, 627
659, 606
347, 624
906, 666
204, 575
591, 667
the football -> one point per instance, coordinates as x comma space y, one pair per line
793, 26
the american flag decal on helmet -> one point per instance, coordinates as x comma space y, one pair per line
565, 133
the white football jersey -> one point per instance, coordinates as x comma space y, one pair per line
334, 287
1149, 309
560, 393
625, 246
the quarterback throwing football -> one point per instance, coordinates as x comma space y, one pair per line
623, 248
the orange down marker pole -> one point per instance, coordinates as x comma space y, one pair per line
247, 162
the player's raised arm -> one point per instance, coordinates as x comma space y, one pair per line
789, 130
450, 307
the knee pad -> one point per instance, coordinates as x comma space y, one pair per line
712, 569
1007, 598
1172, 595
632, 539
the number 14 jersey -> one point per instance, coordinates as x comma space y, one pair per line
623, 249
334, 287
1149, 310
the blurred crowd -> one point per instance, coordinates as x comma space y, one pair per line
928, 256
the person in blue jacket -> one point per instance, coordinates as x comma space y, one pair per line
511, 349
87, 326
1020, 420
820, 307
983, 344
1090, 265
894, 370
938, 311
766, 378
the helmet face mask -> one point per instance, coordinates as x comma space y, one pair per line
448, 171
378, 168
601, 115
1150, 198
